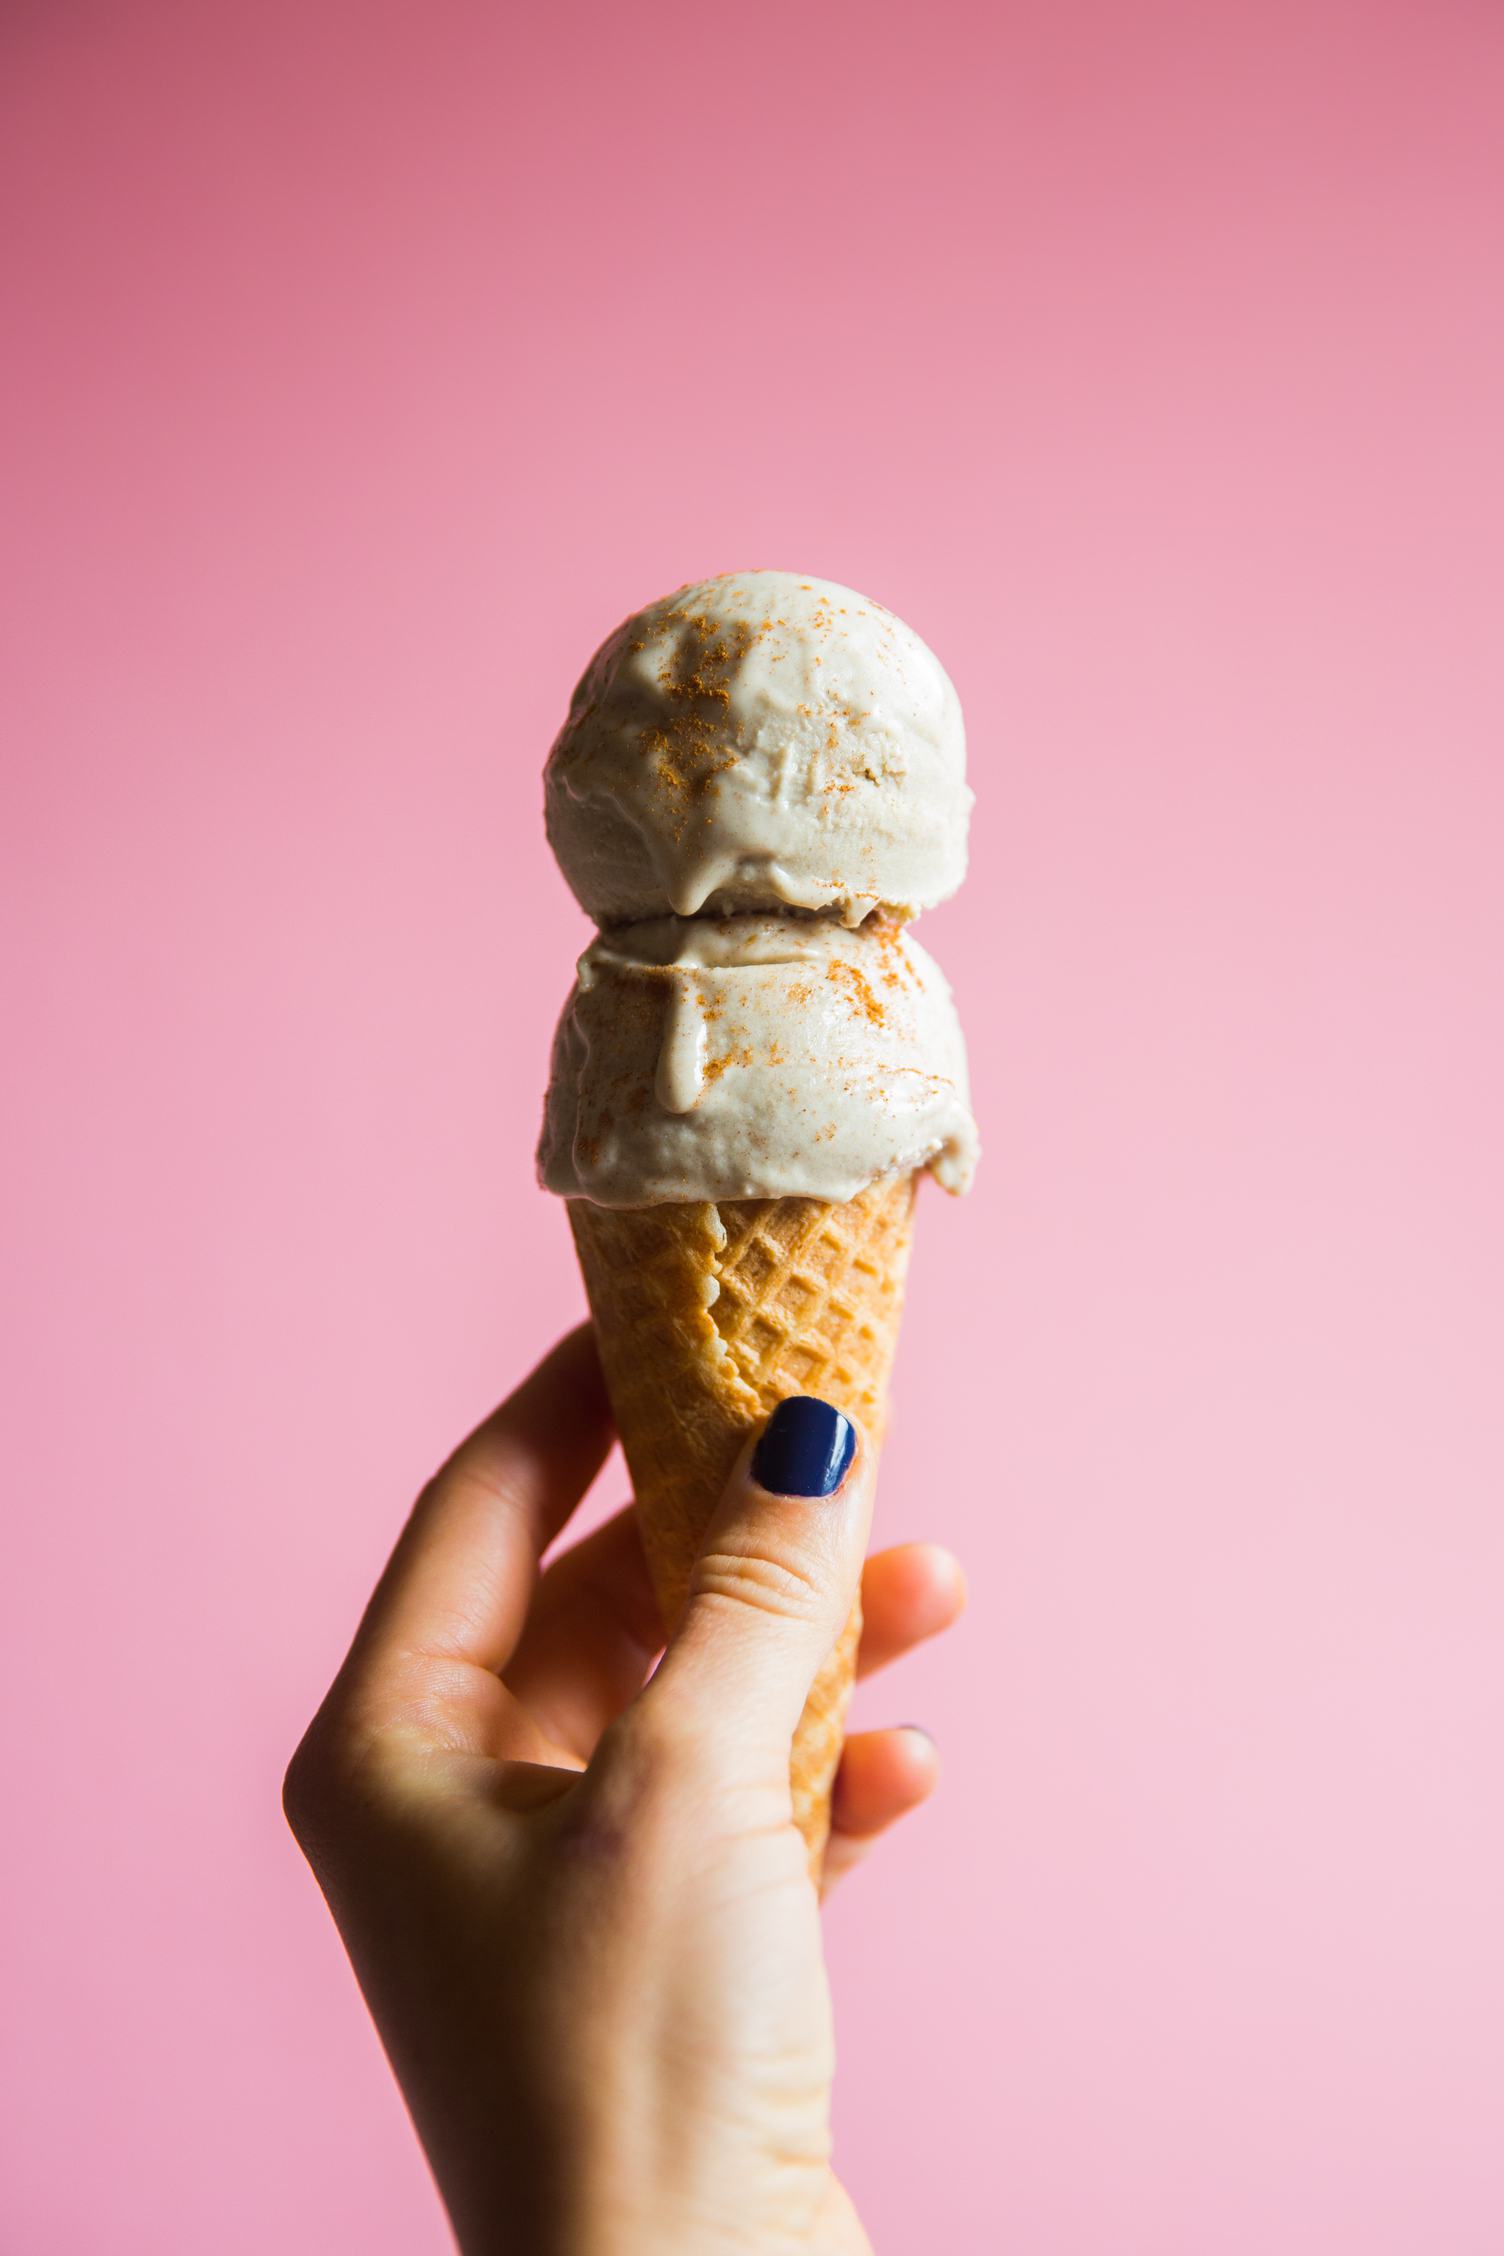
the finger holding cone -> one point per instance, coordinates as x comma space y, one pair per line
772, 1597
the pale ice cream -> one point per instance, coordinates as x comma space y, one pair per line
754, 1057
757, 740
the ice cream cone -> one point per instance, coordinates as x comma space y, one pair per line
710, 1314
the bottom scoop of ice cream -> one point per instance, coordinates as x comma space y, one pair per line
754, 1057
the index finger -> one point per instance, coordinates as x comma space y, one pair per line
458, 1585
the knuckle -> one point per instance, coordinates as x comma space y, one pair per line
485, 1487
651, 1747
313, 1790
777, 1583
300, 1789
337, 1776
652, 1769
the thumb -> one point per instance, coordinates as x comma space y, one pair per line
773, 1586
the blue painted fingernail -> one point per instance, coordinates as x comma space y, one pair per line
805, 1450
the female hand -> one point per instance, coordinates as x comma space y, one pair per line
578, 1907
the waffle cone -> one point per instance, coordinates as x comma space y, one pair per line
708, 1315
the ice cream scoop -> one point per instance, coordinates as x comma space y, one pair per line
755, 741
755, 1057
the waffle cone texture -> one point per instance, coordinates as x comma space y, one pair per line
708, 1316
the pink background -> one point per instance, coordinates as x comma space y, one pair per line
364, 363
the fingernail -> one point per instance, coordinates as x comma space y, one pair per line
805, 1449
926, 1739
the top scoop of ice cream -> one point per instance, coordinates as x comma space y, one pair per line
760, 741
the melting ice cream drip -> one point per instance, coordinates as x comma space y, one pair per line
679, 1082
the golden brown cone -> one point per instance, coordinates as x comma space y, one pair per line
710, 1315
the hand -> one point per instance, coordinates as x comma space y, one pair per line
578, 1907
